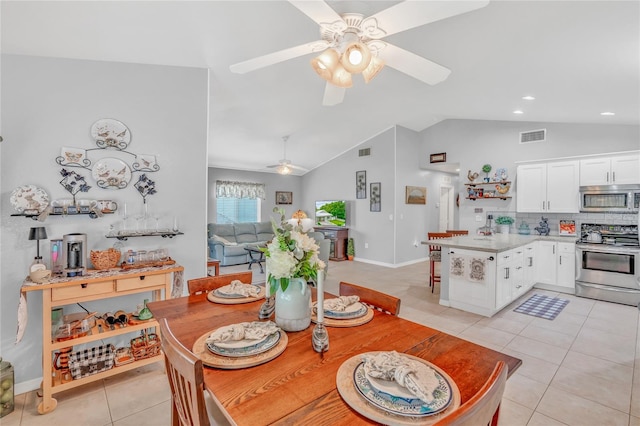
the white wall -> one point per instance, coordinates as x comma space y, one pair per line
51, 103
273, 182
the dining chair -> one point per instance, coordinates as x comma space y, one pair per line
191, 404
206, 284
435, 255
380, 301
484, 407
455, 232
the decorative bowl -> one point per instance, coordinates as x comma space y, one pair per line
40, 276
105, 259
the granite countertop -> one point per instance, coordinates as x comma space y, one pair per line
498, 242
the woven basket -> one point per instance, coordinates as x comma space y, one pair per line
105, 259
145, 346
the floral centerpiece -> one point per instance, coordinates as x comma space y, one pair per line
290, 254
292, 261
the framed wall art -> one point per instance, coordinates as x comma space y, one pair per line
284, 197
438, 158
361, 184
415, 195
375, 198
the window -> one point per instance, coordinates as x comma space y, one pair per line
237, 210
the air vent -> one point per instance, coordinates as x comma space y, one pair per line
364, 152
533, 136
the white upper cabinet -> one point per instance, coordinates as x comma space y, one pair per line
548, 187
618, 170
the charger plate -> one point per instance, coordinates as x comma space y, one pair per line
211, 297
351, 322
229, 363
353, 398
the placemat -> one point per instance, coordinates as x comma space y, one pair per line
542, 306
228, 301
350, 395
353, 322
228, 363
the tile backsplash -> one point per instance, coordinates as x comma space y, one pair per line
533, 219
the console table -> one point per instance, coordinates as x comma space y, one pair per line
96, 285
338, 237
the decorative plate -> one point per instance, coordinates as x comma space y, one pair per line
111, 173
110, 133
73, 156
390, 396
355, 310
29, 199
243, 348
218, 293
231, 363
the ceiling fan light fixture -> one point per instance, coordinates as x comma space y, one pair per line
284, 169
341, 77
375, 66
356, 57
325, 64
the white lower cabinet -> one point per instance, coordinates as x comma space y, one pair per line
556, 264
529, 263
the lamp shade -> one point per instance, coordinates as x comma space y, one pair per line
373, 69
356, 57
341, 77
325, 63
38, 233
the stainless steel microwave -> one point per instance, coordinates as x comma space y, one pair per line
610, 198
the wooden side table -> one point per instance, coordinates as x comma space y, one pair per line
216, 266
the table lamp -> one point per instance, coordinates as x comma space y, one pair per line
38, 233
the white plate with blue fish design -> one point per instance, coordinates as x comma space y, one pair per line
391, 397
245, 347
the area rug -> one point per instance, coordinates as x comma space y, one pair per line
542, 306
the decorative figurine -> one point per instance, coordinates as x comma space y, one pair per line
543, 229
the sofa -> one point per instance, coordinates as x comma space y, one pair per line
227, 241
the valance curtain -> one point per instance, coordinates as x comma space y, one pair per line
225, 188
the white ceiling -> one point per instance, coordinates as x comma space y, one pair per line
578, 58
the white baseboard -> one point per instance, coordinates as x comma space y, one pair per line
389, 265
28, 386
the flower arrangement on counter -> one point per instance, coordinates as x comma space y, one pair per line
290, 254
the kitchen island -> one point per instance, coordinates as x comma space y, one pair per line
483, 274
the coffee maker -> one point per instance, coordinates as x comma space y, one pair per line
74, 254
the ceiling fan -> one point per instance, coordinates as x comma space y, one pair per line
351, 43
284, 167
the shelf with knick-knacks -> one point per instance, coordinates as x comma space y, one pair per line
480, 191
124, 236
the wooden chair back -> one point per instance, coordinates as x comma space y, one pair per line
455, 232
186, 379
437, 236
206, 284
484, 407
381, 301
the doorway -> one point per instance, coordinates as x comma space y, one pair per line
446, 201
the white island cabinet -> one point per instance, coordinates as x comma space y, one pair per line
483, 275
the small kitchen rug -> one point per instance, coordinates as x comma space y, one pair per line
542, 306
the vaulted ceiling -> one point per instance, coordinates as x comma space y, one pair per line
577, 58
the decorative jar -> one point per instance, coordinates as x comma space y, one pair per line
293, 305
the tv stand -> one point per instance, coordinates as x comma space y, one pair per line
338, 237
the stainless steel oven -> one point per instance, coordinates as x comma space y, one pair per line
609, 270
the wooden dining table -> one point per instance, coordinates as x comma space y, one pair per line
299, 385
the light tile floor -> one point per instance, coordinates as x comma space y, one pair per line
583, 368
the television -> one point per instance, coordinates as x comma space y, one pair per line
331, 213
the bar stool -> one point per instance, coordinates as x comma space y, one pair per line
435, 256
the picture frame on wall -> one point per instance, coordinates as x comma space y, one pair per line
438, 158
415, 195
284, 197
375, 197
361, 184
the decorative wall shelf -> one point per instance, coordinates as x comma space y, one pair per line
476, 191
163, 234
92, 215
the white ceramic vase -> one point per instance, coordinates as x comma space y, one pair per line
293, 306
503, 229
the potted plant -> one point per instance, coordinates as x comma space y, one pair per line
504, 222
486, 169
351, 250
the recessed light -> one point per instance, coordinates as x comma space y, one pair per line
607, 113
518, 112
528, 98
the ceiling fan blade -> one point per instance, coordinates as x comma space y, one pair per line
333, 95
414, 13
321, 13
279, 56
414, 65
293, 166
